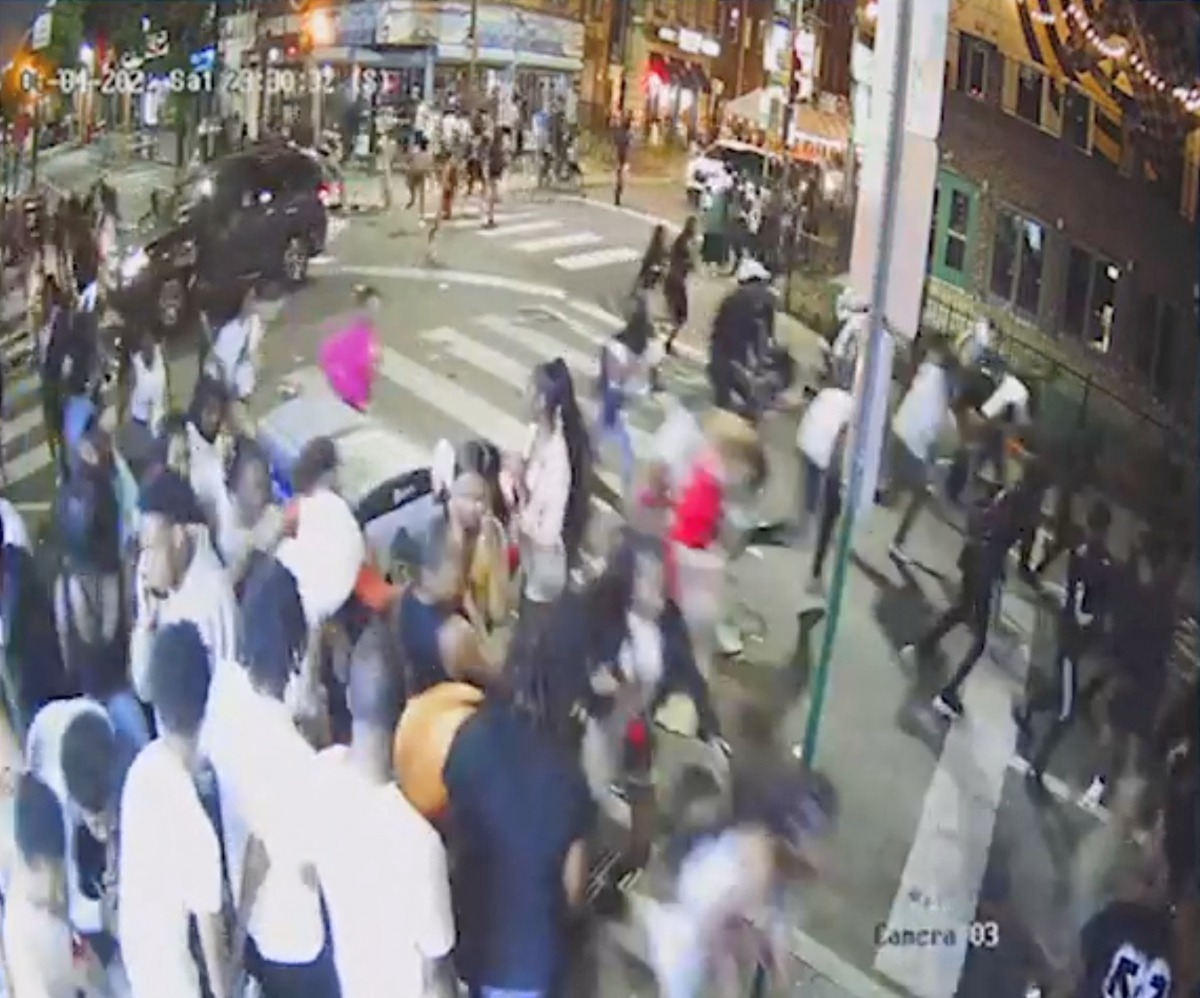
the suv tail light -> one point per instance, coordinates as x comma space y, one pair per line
323, 193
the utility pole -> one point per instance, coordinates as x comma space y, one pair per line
872, 387
473, 57
789, 107
743, 43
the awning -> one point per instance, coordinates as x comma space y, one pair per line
822, 129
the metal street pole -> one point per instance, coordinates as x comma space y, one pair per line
875, 355
473, 58
743, 43
792, 64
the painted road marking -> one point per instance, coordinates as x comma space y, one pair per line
516, 374
542, 346
449, 277
571, 240
598, 258
503, 231
939, 888
477, 221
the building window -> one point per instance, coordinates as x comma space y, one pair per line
1030, 82
972, 66
1077, 120
1154, 348
1091, 298
1018, 255
953, 230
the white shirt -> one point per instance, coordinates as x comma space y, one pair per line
234, 353
43, 758
383, 871
207, 472
918, 420
641, 655
825, 418
170, 866
547, 487
148, 396
848, 343
15, 531
267, 793
1010, 392
38, 951
205, 597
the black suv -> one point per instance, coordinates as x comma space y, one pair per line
258, 214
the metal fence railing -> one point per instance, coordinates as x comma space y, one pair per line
1140, 456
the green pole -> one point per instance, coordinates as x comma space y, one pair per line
816, 707
873, 357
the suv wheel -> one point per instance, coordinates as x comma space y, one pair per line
172, 304
295, 260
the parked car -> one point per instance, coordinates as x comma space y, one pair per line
730, 159
258, 214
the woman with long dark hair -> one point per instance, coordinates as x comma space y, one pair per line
553, 486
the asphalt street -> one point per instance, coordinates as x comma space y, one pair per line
460, 336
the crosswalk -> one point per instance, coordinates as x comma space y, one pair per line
529, 232
470, 379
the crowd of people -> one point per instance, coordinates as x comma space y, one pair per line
255, 755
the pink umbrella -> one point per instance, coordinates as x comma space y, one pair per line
349, 358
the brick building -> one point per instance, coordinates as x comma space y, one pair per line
1062, 202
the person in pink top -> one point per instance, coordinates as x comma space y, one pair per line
350, 356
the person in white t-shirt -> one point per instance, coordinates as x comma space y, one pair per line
72, 748
381, 864
234, 359
170, 856
179, 576
821, 440
1003, 413
916, 426
269, 807
37, 957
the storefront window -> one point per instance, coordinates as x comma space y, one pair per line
1091, 298
1017, 261
1029, 94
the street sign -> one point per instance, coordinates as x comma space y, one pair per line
158, 44
42, 26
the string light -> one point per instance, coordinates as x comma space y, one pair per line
1187, 98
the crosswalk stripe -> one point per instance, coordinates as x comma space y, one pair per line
503, 231
477, 221
598, 258
542, 346
463, 407
570, 240
515, 374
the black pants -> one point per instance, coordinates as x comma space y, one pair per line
1064, 698
974, 609
831, 509
316, 979
723, 380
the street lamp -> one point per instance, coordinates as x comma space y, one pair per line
320, 28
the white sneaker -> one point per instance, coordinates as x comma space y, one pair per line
908, 656
897, 553
1093, 796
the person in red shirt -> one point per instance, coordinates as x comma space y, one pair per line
732, 455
